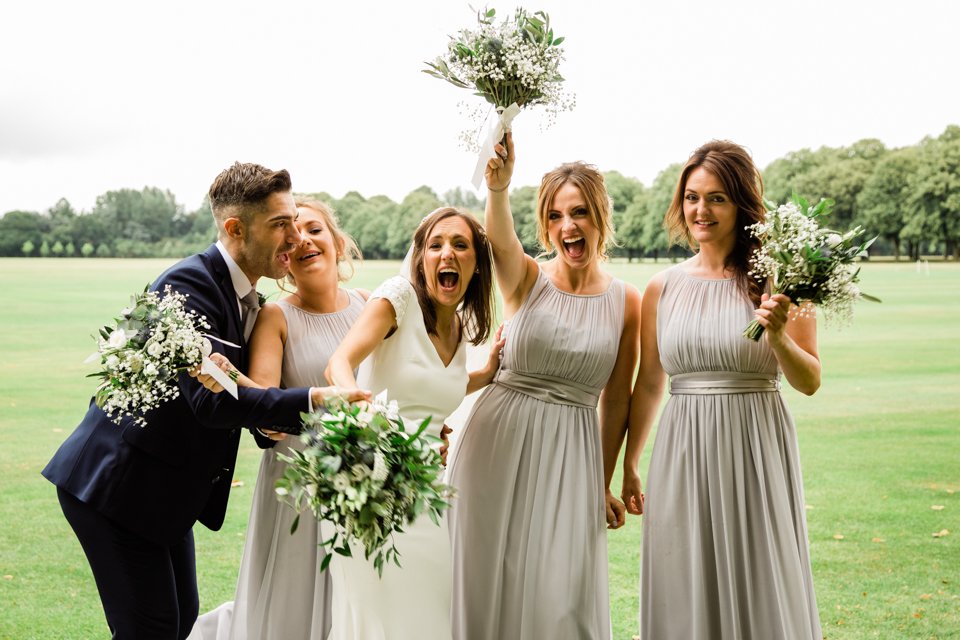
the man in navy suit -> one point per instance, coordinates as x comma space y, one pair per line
131, 493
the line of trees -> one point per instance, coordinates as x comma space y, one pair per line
908, 196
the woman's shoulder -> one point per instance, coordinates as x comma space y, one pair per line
394, 282
398, 291
658, 282
362, 294
273, 310
272, 319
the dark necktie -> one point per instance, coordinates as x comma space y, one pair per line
250, 304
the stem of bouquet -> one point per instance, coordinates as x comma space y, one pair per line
754, 330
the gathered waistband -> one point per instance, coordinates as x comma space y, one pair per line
723, 382
549, 388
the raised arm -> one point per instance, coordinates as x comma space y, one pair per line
377, 321
615, 400
516, 271
645, 399
793, 339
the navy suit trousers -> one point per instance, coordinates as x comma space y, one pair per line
148, 590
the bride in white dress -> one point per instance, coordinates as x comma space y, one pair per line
410, 341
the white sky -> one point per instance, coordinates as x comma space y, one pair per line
107, 94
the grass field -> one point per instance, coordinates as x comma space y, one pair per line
880, 446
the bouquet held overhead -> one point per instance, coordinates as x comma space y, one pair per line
513, 64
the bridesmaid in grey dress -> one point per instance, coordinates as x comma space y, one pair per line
527, 528
724, 552
281, 591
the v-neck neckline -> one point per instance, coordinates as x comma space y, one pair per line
434, 346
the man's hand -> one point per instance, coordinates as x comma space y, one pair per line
276, 436
319, 395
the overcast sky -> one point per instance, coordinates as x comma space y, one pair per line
102, 95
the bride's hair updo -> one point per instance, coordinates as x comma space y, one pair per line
477, 304
734, 168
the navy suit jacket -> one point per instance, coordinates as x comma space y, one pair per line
159, 479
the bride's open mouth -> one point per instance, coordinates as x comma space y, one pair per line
574, 247
448, 279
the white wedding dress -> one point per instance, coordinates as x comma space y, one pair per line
413, 601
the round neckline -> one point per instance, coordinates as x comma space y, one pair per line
321, 314
693, 277
578, 295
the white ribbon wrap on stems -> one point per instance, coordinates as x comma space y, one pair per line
499, 127
210, 368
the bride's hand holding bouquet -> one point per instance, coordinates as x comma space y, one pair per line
362, 471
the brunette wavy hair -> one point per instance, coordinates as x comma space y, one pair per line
741, 180
477, 304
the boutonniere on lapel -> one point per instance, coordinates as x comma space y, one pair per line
262, 299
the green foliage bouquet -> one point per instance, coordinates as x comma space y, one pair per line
365, 474
810, 264
513, 61
151, 341
512, 64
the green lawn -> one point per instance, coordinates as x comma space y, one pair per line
880, 445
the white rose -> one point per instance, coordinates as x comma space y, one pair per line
341, 482
155, 349
833, 240
117, 339
150, 369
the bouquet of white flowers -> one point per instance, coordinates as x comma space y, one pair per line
151, 341
810, 264
362, 472
511, 64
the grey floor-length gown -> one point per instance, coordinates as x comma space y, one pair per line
528, 526
281, 592
724, 552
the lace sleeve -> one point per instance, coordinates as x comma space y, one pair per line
398, 291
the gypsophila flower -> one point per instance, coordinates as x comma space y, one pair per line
369, 478
814, 266
514, 61
152, 340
